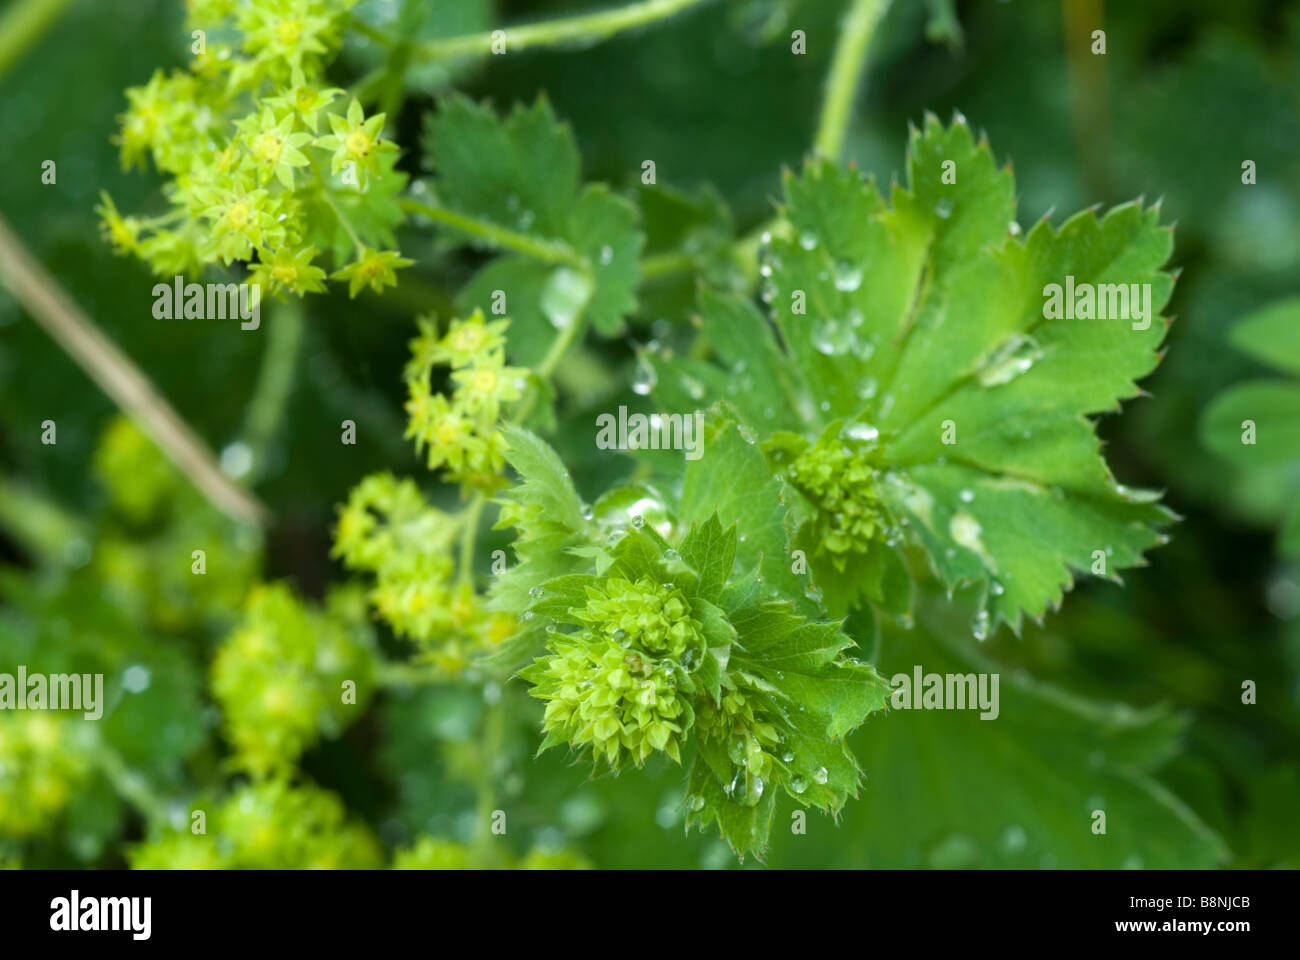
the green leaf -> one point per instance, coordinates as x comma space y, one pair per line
1271, 335
731, 480
711, 552
926, 326
790, 670
1273, 406
1065, 756
554, 538
522, 172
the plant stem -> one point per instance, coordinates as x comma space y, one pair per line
588, 28
559, 346
666, 265
548, 251
390, 674
274, 382
22, 25
468, 535
847, 65
127, 783
365, 29
115, 374
494, 727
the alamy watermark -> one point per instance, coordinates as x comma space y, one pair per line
1098, 301
55, 691
658, 431
946, 691
208, 301
77, 913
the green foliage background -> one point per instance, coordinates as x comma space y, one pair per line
1130, 694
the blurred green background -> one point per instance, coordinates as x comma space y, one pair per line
1130, 694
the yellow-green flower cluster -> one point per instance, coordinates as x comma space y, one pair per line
609, 698
239, 135
144, 553
646, 615
289, 674
267, 825
462, 435
748, 738
43, 765
388, 529
841, 479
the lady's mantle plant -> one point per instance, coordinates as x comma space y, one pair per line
902, 403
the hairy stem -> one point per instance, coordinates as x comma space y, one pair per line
847, 65
115, 374
585, 28
274, 382
548, 251
468, 536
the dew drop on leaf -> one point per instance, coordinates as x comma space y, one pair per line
848, 276
565, 295
645, 378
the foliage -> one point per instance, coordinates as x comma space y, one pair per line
888, 447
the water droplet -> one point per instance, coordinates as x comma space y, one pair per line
638, 521
798, 784
863, 432
867, 388
1014, 839
535, 592
813, 593
979, 625
848, 276
808, 240
823, 337
135, 679
670, 554
695, 803
565, 295
1013, 228
1013, 357
821, 775
606, 255
787, 757
645, 379
967, 496
943, 208
693, 387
